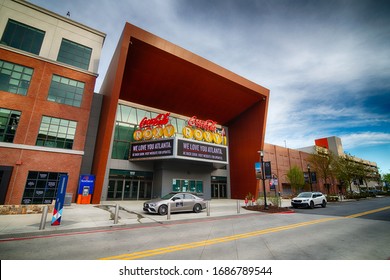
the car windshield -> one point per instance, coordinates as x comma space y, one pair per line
168, 196
305, 194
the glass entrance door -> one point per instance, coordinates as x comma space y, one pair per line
131, 189
115, 190
122, 189
219, 190
129, 185
219, 187
145, 190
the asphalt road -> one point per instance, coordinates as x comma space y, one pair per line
357, 230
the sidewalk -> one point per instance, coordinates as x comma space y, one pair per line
88, 216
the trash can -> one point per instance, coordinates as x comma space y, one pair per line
68, 199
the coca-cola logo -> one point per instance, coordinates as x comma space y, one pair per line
161, 119
205, 125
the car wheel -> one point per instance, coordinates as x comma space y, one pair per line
323, 204
197, 208
311, 204
163, 210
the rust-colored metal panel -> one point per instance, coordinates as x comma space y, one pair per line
111, 91
323, 142
246, 139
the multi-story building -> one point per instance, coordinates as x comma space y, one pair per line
334, 145
48, 70
282, 159
174, 121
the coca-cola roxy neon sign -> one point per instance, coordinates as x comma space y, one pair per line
159, 127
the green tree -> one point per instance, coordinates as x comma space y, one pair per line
386, 178
322, 163
346, 170
296, 179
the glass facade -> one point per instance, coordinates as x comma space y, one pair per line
41, 187
23, 37
74, 54
56, 133
15, 78
9, 120
127, 120
66, 91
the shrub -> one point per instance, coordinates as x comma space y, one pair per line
332, 198
271, 200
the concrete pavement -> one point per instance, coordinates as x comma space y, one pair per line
89, 216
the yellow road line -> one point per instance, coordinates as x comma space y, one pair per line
368, 212
203, 243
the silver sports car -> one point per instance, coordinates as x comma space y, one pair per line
179, 202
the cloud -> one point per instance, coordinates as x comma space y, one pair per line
355, 140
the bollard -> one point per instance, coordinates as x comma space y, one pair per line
238, 207
208, 208
169, 211
43, 218
116, 213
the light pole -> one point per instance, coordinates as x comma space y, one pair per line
263, 178
311, 184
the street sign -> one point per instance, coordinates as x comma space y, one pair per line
59, 206
258, 167
258, 170
267, 170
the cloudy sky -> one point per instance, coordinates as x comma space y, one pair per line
326, 62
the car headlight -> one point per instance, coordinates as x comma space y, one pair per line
152, 204
305, 200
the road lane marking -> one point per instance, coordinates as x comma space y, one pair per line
368, 212
203, 243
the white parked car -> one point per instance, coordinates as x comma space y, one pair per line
309, 199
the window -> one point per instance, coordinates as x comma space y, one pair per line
41, 187
14, 78
123, 136
66, 91
126, 120
74, 54
22, 37
56, 133
187, 185
9, 120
